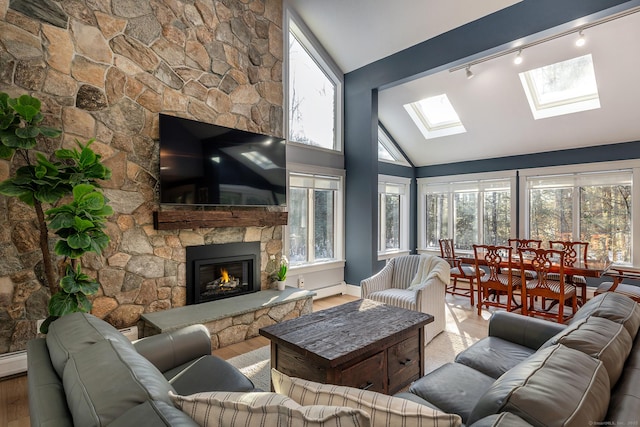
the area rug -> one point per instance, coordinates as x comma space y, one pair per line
442, 349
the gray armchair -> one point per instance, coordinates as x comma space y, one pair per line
414, 282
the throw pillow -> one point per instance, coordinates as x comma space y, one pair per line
229, 409
384, 410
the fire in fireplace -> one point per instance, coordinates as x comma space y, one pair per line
221, 271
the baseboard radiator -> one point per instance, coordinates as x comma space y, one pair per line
16, 362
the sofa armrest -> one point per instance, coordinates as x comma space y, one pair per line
171, 349
378, 282
527, 331
47, 399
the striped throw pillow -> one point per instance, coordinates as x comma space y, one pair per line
382, 409
229, 409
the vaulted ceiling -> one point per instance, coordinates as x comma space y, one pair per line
492, 105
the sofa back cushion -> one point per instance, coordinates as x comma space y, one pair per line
615, 307
75, 332
557, 386
103, 381
600, 338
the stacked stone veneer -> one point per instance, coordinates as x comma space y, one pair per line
105, 69
237, 328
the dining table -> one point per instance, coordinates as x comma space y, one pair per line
590, 268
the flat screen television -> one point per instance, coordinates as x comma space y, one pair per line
206, 164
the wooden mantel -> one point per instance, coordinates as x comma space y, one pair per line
176, 220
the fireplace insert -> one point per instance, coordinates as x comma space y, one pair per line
221, 271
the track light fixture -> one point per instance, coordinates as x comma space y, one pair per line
469, 73
581, 41
518, 59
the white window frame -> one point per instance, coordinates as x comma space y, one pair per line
634, 165
452, 180
294, 24
404, 188
338, 261
385, 140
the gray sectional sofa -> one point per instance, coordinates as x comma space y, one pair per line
534, 372
87, 373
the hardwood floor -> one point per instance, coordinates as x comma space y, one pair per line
461, 319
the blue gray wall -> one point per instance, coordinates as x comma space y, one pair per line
490, 34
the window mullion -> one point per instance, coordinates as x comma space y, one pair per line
312, 225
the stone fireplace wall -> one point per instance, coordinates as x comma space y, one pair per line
105, 69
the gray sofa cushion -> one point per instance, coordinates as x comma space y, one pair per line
454, 388
557, 386
75, 332
154, 413
615, 307
494, 356
208, 373
503, 419
625, 396
102, 382
600, 338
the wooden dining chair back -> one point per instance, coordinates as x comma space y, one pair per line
575, 253
498, 279
458, 271
524, 243
547, 284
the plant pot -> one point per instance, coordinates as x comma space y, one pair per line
280, 284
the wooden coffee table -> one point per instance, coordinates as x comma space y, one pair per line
363, 344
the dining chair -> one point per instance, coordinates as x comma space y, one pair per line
543, 286
458, 270
574, 253
494, 282
524, 243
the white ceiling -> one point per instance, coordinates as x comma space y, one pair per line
492, 105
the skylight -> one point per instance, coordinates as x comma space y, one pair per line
561, 88
435, 116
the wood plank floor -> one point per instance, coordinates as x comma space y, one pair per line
461, 318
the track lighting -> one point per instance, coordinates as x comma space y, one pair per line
518, 59
580, 41
469, 73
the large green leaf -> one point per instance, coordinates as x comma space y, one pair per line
50, 132
91, 202
87, 157
69, 284
62, 220
15, 141
27, 132
81, 189
79, 241
11, 189
6, 152
49, 194
99, 243
63, 303
81, 224
64, 153
84, 305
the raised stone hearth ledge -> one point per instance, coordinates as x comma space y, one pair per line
233, 320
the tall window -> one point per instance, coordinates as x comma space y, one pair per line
314, 203
593, 207
470, 212
393, 214
313, 95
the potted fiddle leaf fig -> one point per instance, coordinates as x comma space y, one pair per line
65, 195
